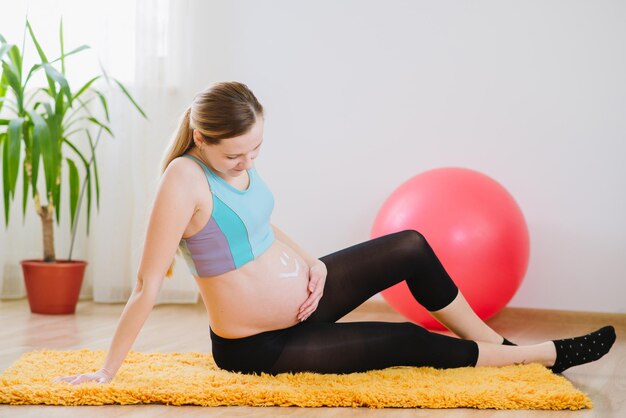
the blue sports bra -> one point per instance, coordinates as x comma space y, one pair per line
238, 230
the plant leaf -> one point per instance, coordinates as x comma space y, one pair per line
42, 54
95, 168
130, 98
74, 189
16, 60
62, 46
72, 52
9, 76
56, 135
103, 126
4, 48
48, 149
35, 155
32, 71
57, 196
86, 86
25, 184
104, 73
42, 147
83, 105
13, 81
88, 200
103, 100
43, 58
14, 148
3, 89
73, 147
87, 179
54, 74
5, 177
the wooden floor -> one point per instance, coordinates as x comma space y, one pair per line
184, 328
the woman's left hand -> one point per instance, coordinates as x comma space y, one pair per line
317, 279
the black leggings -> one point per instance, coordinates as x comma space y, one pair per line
355, 274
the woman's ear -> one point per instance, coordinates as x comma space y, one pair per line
197, 138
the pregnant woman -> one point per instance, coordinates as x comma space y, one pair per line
272, 307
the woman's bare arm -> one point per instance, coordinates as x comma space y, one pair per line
174, 205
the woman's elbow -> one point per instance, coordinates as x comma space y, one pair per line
148, 286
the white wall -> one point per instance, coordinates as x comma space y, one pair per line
362, 95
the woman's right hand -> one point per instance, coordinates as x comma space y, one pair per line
101, 376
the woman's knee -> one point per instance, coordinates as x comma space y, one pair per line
411, 244
413, 237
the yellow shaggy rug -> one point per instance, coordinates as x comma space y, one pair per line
194, 379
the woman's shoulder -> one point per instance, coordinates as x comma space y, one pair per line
185, 176
181, 166
184, 171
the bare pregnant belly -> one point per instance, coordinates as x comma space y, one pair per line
264, 294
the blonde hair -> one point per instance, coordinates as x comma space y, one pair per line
222, 110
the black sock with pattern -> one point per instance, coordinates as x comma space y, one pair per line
584, 349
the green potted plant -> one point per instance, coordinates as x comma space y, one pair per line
44, 130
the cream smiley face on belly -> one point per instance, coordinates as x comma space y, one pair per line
291, 264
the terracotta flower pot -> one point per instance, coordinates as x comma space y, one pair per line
53, 288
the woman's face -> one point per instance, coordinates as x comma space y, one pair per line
234, 155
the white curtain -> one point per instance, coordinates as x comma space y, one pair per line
142, 43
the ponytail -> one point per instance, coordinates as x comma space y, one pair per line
179, 144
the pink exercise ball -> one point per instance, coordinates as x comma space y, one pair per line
475, 228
